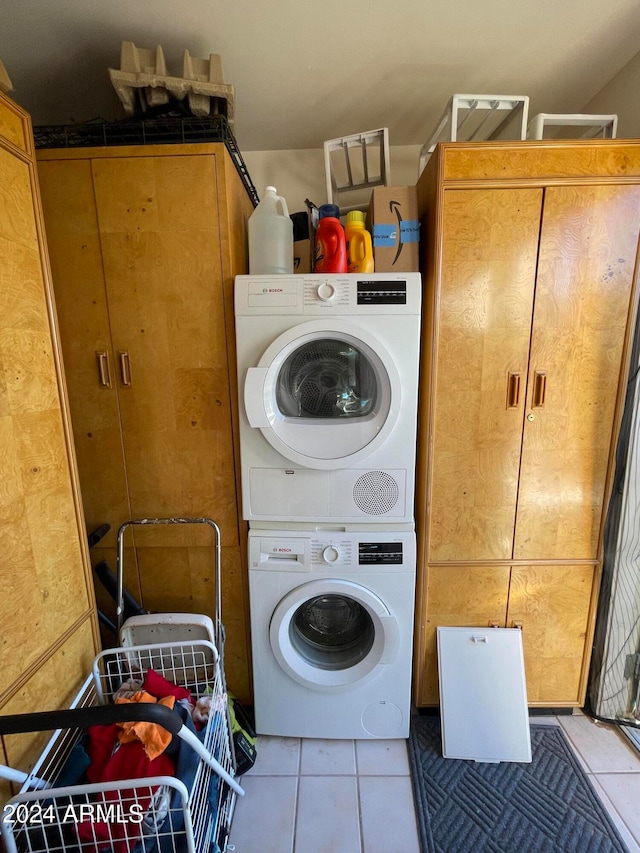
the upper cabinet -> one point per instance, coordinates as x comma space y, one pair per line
530, 266
534, 303
145, 243
47, 608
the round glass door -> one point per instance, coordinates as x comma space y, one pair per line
327, 378
330, 634
324, 397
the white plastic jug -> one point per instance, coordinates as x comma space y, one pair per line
271, 236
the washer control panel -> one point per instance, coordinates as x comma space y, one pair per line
318, 295
331, 551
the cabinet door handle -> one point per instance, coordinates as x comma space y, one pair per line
513, 390
125, 368
539, 389
104, 372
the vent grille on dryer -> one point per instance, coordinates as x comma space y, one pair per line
376, 492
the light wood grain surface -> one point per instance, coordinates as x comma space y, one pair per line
490, 241
49, 629
145, 252
530, 263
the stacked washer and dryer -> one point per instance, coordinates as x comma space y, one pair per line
328, 386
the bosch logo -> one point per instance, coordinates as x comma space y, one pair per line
275, 290
284, 550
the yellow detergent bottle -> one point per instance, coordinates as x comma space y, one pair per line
359, 246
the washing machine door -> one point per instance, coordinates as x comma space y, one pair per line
330, 635
324, 394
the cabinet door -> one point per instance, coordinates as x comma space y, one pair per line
83, 315
158, 223
45, 593
75, 251
457, 596
489, 250
552, 605
588, 249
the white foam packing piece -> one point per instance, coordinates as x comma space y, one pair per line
144, 70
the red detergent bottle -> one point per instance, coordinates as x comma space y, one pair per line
331, 247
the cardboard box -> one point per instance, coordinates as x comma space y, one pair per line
395, 228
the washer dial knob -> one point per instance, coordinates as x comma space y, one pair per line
330, 554
326, 291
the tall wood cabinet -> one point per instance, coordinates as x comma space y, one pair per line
530, 257
47, 609
145, 243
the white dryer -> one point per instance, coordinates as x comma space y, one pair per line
328, 384
332, 632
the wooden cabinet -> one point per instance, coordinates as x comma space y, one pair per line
551, 604
530, 264
145, 243
47, 609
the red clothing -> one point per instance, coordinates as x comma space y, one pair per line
127, 762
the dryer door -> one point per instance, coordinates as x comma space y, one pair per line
324, 394
331, 634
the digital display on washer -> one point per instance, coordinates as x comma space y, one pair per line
380, 553
382, 292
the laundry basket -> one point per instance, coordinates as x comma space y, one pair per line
187, 806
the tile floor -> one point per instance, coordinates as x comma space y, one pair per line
324, 796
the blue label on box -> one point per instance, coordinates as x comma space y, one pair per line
384, 235
410, 231
387, 235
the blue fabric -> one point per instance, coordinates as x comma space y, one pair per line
186, 765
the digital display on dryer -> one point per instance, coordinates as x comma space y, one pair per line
380, 553
382, 292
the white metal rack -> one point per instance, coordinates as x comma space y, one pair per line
604, 126
356, 162
478, 117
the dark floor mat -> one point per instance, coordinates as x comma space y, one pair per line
547, 806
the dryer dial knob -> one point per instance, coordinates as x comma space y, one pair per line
326, 291
330, 554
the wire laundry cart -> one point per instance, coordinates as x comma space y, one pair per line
186, 810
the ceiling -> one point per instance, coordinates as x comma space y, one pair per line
305, 72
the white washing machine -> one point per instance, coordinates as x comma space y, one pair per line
328, 383
332, 632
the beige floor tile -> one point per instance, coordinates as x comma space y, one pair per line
627, 837
327, 758
388, 814
382, 757
327, 820
276, 756
623, 792
600, 746
546, 720
265, 816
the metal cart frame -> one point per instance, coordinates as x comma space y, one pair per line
160, 813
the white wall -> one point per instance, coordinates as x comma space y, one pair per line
621, 96
299, 174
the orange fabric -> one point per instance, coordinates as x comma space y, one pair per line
153, 737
